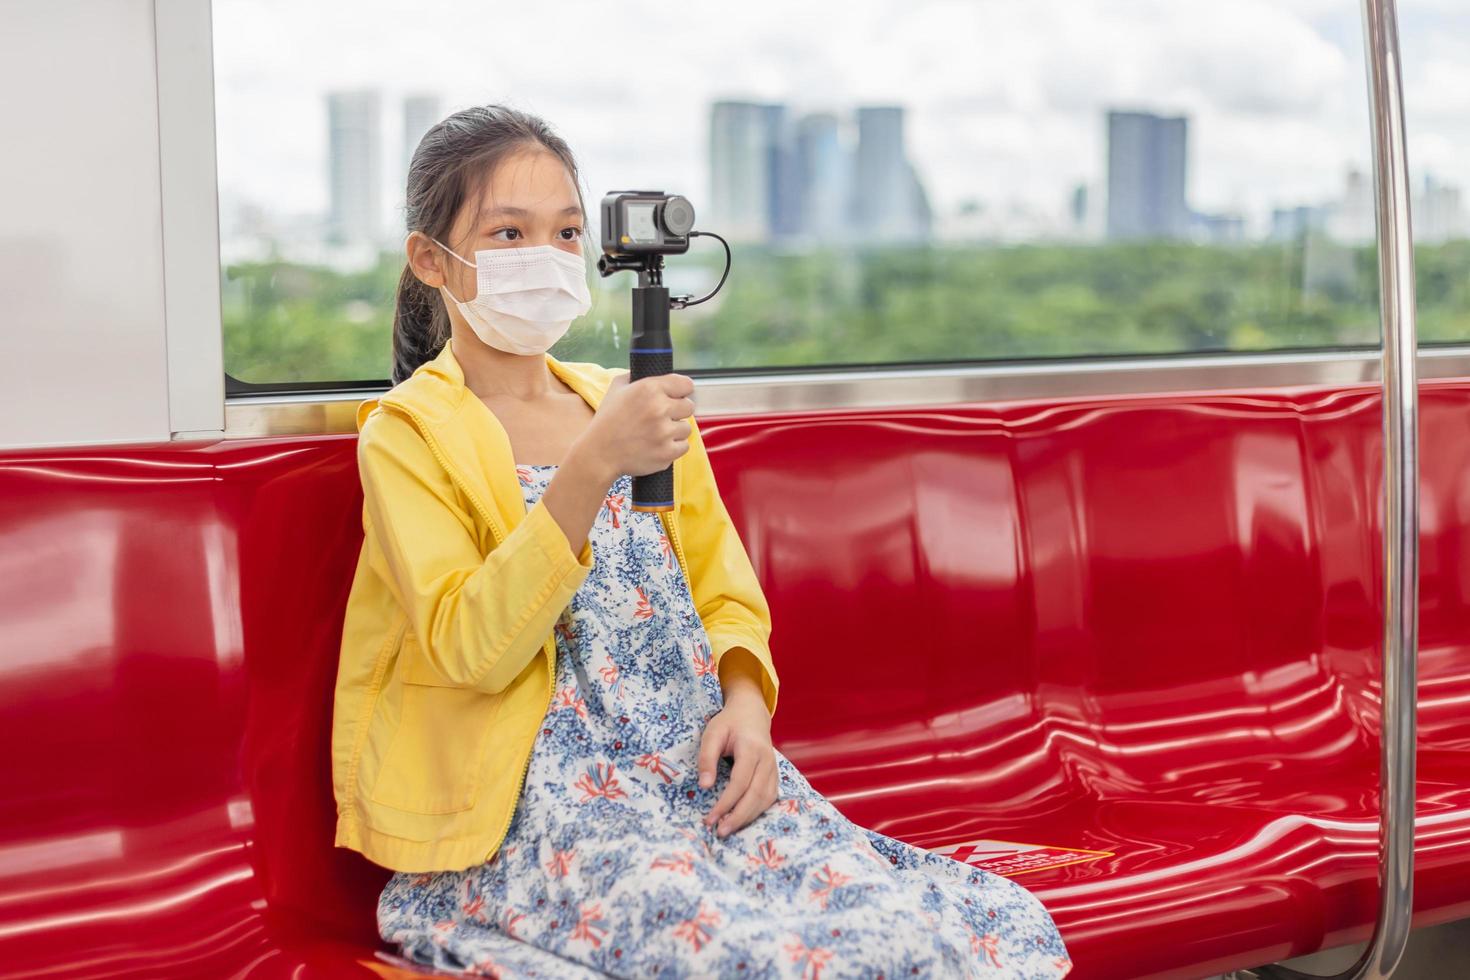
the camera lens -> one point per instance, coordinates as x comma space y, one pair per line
678, 216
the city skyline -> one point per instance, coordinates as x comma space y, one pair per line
818, 177
826, 177
1003, 103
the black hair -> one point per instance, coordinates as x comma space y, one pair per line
451, 162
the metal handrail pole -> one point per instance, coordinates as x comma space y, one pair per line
1398, 724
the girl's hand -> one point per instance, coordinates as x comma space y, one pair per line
742, 729
640, 426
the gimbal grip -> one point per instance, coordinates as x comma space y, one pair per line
652, 491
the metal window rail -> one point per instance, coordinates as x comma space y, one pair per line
1401, 512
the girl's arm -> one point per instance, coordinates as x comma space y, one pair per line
740, 674
479, 619
726, 591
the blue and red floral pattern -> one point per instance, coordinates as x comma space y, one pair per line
607, 870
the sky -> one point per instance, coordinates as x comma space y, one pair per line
1005, 100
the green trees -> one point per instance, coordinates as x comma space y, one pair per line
286, 322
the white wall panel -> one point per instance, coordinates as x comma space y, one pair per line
83, 355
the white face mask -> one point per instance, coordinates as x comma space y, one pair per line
526, 298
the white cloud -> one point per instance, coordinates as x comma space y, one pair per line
1005, 99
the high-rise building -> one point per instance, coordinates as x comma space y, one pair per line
921, 212
420, 112
1296, 222
355, 173
888, 202
773, 179
745, 164
1218, 229
823, 166
1351, 218
1077, 207
1439, 212
785, 204
1147, 167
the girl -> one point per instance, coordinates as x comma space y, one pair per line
552, 717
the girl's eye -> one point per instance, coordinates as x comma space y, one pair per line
512, 231
576, 233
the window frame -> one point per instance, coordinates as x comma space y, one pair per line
876, 387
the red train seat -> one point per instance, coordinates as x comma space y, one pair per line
1143, 626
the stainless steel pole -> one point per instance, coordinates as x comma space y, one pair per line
1399, 722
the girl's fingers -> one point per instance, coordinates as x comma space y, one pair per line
740, 774
711, 747
752, 804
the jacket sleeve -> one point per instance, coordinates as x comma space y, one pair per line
479, 618
726, 592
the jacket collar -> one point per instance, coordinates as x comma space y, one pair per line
475, 445
436, 389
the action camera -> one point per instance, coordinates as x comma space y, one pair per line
646, 223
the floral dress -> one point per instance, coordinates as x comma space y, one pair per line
607, 869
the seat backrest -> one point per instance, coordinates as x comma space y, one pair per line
1042, 601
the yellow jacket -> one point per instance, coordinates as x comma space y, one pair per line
448, 655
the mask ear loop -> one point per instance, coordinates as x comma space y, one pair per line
452, 252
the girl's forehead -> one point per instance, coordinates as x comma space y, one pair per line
530, 181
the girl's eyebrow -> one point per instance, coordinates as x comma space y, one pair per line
522, 212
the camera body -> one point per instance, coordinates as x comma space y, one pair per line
646, 223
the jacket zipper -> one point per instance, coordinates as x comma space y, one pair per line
499, 536
668, 520
525, 768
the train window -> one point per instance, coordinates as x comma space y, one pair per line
1437, 115
901, 183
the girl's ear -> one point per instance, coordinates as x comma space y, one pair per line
425, 259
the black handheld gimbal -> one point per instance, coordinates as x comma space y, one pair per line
638, 229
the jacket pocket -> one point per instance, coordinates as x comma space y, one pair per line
435, 761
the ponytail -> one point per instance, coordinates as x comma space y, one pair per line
420, 325
452, 161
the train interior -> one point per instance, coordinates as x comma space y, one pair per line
1115, 629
